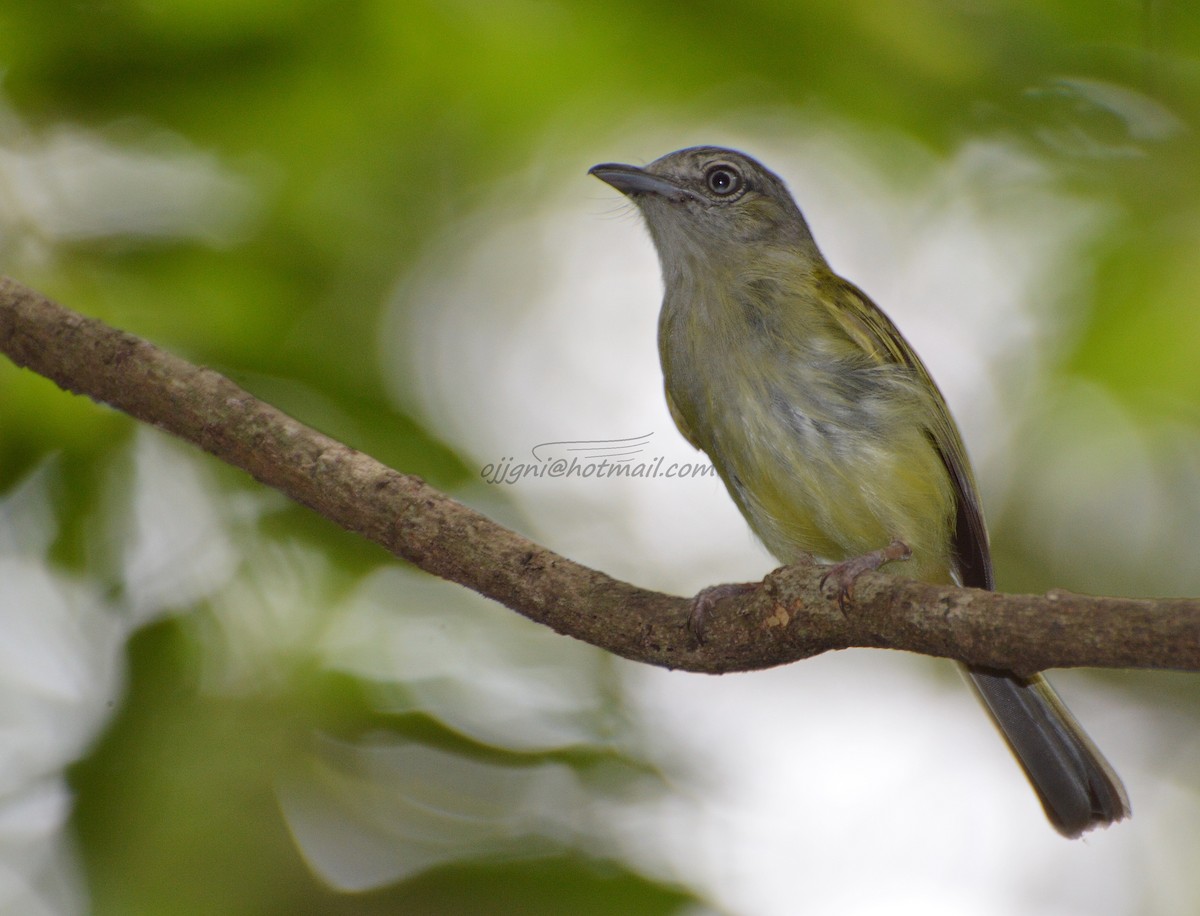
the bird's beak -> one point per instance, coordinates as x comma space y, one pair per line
632, 181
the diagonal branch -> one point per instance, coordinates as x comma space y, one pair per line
786, 619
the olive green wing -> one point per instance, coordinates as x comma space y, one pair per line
681, 423
865, 324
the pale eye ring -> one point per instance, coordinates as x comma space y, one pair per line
722, 179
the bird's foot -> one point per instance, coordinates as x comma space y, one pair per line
707, 598
838, 581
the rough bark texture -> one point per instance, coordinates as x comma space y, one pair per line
786, 619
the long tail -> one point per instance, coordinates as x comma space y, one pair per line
1075, 784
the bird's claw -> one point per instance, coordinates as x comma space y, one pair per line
707, 598
838, 581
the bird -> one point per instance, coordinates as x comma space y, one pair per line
827, 429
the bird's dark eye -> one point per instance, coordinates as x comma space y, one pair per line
723, 179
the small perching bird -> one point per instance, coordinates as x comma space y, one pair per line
828, 431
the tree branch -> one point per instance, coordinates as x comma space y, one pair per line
786, 619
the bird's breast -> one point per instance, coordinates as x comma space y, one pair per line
823, 450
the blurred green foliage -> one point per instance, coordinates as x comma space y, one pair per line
178, 812
354, 134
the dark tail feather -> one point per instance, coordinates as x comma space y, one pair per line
1076, 785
